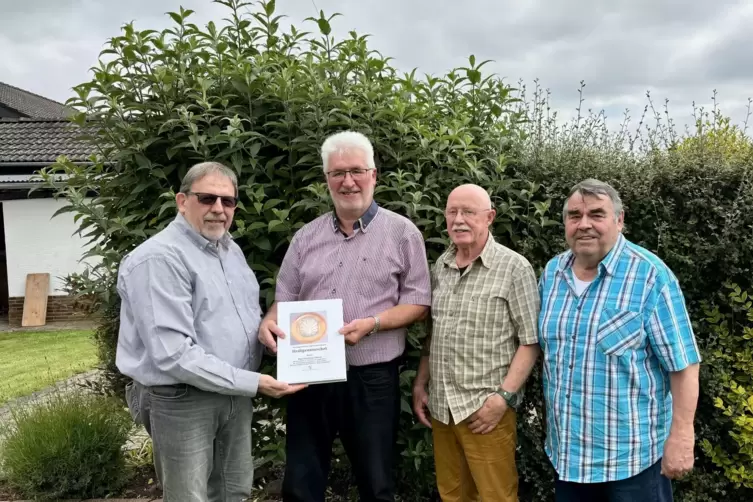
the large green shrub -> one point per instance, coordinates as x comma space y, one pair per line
69, 445
262, 100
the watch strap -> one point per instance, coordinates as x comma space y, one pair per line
511, 398
377, 325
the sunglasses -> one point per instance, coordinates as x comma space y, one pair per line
208, 199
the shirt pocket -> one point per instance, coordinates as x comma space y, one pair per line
619, 332
484, 313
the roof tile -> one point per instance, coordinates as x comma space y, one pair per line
28, 140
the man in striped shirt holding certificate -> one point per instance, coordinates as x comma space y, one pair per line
620, 360
374, 260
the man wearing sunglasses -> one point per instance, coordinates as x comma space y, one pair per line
375, 261
188, 338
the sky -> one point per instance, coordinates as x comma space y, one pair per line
680, 50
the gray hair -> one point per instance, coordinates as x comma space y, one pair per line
198, 171
347, 141
595, 188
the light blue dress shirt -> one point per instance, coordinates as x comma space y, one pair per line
189, 313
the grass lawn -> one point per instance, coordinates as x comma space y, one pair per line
33, 360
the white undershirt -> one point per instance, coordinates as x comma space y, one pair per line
580, 286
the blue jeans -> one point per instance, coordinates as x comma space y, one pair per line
201, 443
647, 486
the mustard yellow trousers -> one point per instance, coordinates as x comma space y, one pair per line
472, 467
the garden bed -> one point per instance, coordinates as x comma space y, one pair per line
141, 485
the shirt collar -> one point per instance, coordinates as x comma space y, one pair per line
198, 239
486, 256
362, 222
608, 263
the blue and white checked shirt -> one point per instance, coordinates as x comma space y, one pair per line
607, 358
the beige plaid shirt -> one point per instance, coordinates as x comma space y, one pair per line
478, 320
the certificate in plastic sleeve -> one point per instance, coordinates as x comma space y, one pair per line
312, 351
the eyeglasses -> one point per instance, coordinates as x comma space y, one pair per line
208, 199
357, 173
467, 213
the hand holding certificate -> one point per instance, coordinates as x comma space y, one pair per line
312, 351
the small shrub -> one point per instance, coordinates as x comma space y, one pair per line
67, 446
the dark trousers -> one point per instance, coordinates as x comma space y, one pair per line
647, 486
364, 411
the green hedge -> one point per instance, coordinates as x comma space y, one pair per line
690, 200
262, 101
730, 361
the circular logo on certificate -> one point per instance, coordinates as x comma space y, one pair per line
308, 328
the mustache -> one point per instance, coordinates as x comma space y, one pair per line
220, 220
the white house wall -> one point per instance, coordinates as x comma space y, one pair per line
37, 243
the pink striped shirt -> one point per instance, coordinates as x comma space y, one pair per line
382, 264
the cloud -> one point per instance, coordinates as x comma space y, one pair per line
681, 50
48, 46
677, 50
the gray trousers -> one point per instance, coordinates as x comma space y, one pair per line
201, 441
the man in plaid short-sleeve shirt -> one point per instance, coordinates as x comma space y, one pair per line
480, 350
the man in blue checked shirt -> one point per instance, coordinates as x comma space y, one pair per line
620, 360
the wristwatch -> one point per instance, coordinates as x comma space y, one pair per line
376, 325
513, 399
